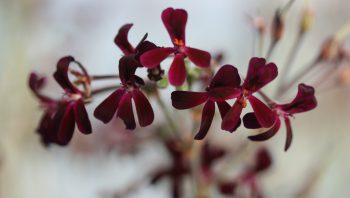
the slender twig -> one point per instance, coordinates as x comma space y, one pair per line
290, 59
163, 107
104, 89
103, 77
271, 48
306, 70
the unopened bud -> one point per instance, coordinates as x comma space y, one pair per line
260, 24
330, 50
307, 19
344, 76
277, 26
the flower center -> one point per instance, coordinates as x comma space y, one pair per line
179, 42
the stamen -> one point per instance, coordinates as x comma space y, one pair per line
179, 42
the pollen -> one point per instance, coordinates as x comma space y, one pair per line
243, 102
179, 42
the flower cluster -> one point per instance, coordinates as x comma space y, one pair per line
58, 122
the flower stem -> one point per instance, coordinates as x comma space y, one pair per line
103, 77
104, 89
271, 48
165, 110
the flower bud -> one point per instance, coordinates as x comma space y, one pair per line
307, 19
277, 26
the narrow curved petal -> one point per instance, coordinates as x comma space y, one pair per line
198, 57
263, 113
268, 134
36, 83
224, 93
289, 134
187, 99
44, 129
154, 57
125, 111
175, 21
121, 40
67, 125
127, 68
177, 73
61, 74
226, 76
259, 74
207, 119
143, 108
232, 118
305, 100
106, 110
250, 121
224, 107
82, 118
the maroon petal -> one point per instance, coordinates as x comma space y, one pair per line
187, 99
259, 74
175, 23
121, 40
305, 100
61, 74
198, 57
250, 121
143, 108
224, 107
207, 118
224, 93
67, 125
177, 72
127, 68
45, 131
108, 107
36, 83
125, 111
81, 117
226, 76
153, 58
263, 160
228, 188
289, 133
232, 118
268, 134
263, 113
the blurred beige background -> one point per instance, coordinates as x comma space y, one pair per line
34, 34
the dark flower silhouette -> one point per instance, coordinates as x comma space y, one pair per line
120, 101
223, 86
305, 100
175, 21
259, 74
58, 122
263, 161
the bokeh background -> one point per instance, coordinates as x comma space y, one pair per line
34, 34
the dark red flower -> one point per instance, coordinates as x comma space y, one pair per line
121, 40
180, 166
175, 21
305, 100
120, 101
247, 178
223, 86
58, 122
259, 74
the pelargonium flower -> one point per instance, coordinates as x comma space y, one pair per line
304, 101
120, 101
121, 40
181, 166
263, 161
175, 21
223, 86
259, 74
58, 122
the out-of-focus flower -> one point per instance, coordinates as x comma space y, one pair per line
259, 74
175, 22
263, 161
180, 166
58, 122
304, 101
223, 86
121, 40
120, 101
